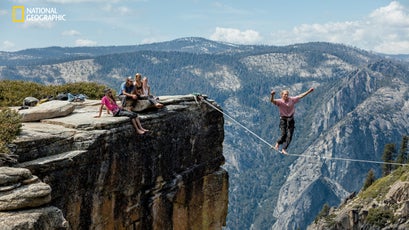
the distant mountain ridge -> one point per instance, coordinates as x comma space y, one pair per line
359, 104
56, 54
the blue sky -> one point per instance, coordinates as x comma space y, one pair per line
374, 25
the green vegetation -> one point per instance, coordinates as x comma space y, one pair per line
325, 216
12, 93
390, 155
381, 186
10, 124
387, 157
380, 217
390, 172
370, 178
377, 189
323, 213
403, 151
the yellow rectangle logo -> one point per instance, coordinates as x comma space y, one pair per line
14, 13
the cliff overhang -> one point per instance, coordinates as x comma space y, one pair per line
105, 176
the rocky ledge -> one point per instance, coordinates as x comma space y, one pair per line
100, 175
22, 196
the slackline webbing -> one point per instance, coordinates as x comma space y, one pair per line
297, 155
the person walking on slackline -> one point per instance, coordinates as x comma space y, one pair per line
286, 106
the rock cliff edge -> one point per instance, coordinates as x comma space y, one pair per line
104, 176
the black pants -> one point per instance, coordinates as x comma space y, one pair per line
123, 99
287, 125
126, 113
151, 99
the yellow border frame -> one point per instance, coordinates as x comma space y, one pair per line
13, 14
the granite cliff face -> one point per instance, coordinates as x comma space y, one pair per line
103, 176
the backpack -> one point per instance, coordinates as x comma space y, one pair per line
30, 101
62, 97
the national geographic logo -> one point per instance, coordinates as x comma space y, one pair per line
36, 14
14, 14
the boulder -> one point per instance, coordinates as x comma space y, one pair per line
47, 110
40, 218
138, 105
23, 202
19, 189
25, 196
9, 175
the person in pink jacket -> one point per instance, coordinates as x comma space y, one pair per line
109, 101
286, 107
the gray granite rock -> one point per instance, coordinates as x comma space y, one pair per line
19, 189
46, 110
105, 176
34, 219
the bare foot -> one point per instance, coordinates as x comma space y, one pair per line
159, 105
145, 130
140, 131
276, 146
284, 152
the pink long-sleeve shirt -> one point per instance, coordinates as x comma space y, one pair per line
111, 106
287, 109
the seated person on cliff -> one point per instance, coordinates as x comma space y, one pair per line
146, 92
126, 91
109, 102
142, 89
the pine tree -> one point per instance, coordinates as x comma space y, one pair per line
403, 151
370, 178
387, 157
323, 213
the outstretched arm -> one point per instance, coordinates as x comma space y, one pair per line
306, 93
272, 97
100, 111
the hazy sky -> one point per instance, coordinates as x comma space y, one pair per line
373, 25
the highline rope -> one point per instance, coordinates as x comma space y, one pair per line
298, 155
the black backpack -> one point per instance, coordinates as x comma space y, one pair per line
30, 101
